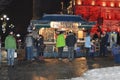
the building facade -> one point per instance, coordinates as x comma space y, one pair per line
105, 12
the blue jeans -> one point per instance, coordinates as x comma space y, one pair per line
103, 50
70, 53
92, 54
10, 56
29, 54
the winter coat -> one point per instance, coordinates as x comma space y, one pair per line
60, 42
40, 41
10, 42
40, 44
29, 41
71, 40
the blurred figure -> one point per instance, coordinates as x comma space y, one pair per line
29, 46
103, 44
70, 42
40, 47
87, 43
92, 49
60, 44
0, 52
116, 52
10, 46
95, 36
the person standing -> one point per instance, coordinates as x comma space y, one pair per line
92, 49
29, 46
103, 44
87, 43
10, 46
70, 42
60, 44
40, 47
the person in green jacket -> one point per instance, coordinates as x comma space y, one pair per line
60, 44
10, 46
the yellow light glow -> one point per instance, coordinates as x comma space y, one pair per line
79, 2
83, 28
93, 3
103, 3
80, 34
41, 31
119, 4
112, 4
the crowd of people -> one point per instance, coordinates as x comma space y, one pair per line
107, 42
61, 41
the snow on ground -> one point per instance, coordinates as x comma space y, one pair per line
109, 73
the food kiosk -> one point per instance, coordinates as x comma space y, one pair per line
49, 24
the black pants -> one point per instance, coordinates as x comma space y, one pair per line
103, 50
60, 51
40, 51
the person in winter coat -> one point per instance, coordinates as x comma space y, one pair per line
103, 44
40, 47
60, 44
10, 46
70, 42
29, 46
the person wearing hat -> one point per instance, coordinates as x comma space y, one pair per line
10, 46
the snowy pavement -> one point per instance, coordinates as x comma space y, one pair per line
109, 73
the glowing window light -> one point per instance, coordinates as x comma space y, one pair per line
112, 4
119, 4
41, 31
79, 2
93, 3
103, 3
110, 17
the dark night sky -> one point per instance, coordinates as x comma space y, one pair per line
20, 11
20, 14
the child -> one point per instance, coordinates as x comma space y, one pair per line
92, 49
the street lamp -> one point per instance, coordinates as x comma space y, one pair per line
4, 18
11, 26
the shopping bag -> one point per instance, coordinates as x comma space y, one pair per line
15, 54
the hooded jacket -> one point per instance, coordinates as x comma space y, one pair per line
71, 40
60, 42
10, 42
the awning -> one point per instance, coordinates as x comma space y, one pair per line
47, 18
42, 26
61, 17
87, 25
